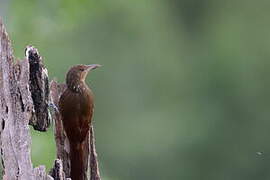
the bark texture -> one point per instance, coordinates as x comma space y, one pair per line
16, 110
94, 175
39, 88
62, 143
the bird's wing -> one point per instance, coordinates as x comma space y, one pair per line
76, 112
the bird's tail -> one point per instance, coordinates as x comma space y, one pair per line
79, 153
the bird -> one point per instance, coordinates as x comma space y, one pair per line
76, 106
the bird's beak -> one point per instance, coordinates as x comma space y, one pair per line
92, 66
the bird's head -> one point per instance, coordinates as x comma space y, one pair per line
78, 73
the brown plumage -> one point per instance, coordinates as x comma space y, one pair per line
76, 108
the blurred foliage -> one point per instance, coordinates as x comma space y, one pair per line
183, 91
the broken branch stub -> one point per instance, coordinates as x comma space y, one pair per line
39, 88
57, 172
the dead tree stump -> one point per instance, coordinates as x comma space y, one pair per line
25, 97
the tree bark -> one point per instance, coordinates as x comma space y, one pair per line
62, 143
39, 88
94, 175
16, 111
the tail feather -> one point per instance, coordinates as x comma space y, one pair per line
79, 153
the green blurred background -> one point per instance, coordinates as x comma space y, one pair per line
183, 92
